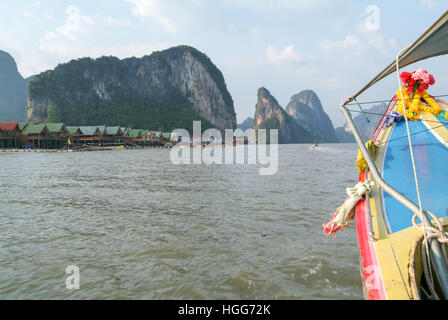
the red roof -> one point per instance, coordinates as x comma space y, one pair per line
9, 126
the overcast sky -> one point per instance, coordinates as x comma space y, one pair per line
330, 46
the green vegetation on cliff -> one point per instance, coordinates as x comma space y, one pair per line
133, 113
271, 123
162, 91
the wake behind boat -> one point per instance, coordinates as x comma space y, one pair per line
400, 201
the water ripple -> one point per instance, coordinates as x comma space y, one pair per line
139, 227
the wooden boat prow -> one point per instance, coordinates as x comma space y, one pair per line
390, 253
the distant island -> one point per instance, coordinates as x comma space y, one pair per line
303, 121
12, 90
365, 121
163, 91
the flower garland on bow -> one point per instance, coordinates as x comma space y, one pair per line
414, 89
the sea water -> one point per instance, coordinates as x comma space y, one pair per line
136, 226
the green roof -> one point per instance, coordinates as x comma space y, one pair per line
134, 132
113, 131
73, 130
56, 127
89, 130
22, 125
166, 135
35, 128
102, 129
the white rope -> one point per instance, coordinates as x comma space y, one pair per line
410, 142
436, 232
425, 228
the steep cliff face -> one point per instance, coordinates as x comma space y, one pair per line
307, 110
12, 90
269, 115
158, 86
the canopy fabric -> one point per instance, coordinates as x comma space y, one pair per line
434, 42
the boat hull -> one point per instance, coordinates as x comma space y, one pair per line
389, 244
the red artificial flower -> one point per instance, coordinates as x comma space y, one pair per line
418, 80
423, 87
405, 76
431, 80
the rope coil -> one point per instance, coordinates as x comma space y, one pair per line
436, 231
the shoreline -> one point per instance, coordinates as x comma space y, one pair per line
79, 150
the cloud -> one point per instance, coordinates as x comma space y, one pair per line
75, 25
376, 40
77, 33
304, 6
80, 36
361, 42
157, 11
352, 44
31, 16
288, 54
428, 3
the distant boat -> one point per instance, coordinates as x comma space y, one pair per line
402, 220
106, 147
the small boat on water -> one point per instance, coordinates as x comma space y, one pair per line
401, 200
121, 147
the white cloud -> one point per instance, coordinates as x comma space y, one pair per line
360, 43
333, 82
428, 3
155, 10
377, 41
81, 36
288, 54
31, 16
305, 6
75, 24
352, 44
77, 33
